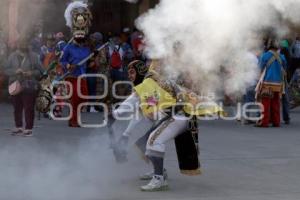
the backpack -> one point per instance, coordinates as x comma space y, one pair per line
115, 59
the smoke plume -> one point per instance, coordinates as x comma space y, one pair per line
214, 40
76, 165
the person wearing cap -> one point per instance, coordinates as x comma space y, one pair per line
271, 85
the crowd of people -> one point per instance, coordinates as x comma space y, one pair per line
51, 56
36, 68
278, 85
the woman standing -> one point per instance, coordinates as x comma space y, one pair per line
23, 67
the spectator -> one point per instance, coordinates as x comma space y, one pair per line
118, 66
36, 43
125, 36
60, 42
24, 66
56, 72
47, 54
295, 56
138, 46
295, 90
284, 50
116, 55
3, 49
59, 51
101, 61
134, 35
128, 52
96, 40
285, 101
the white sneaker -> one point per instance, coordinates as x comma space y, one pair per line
17, 131
27, 133
148, 176
158, 183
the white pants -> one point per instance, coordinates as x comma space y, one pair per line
130, 109
170, 129
142, 121
127, 107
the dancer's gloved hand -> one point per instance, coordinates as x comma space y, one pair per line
120, 149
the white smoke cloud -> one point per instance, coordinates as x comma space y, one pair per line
59, 167
214, 36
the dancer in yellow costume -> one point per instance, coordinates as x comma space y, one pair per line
174, 110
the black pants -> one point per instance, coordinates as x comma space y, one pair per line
24, 102
295, 64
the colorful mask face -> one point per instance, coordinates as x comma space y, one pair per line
81, 22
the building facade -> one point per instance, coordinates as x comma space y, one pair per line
26, 17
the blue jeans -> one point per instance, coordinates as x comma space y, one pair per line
92, 85
285, 107
249, 97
